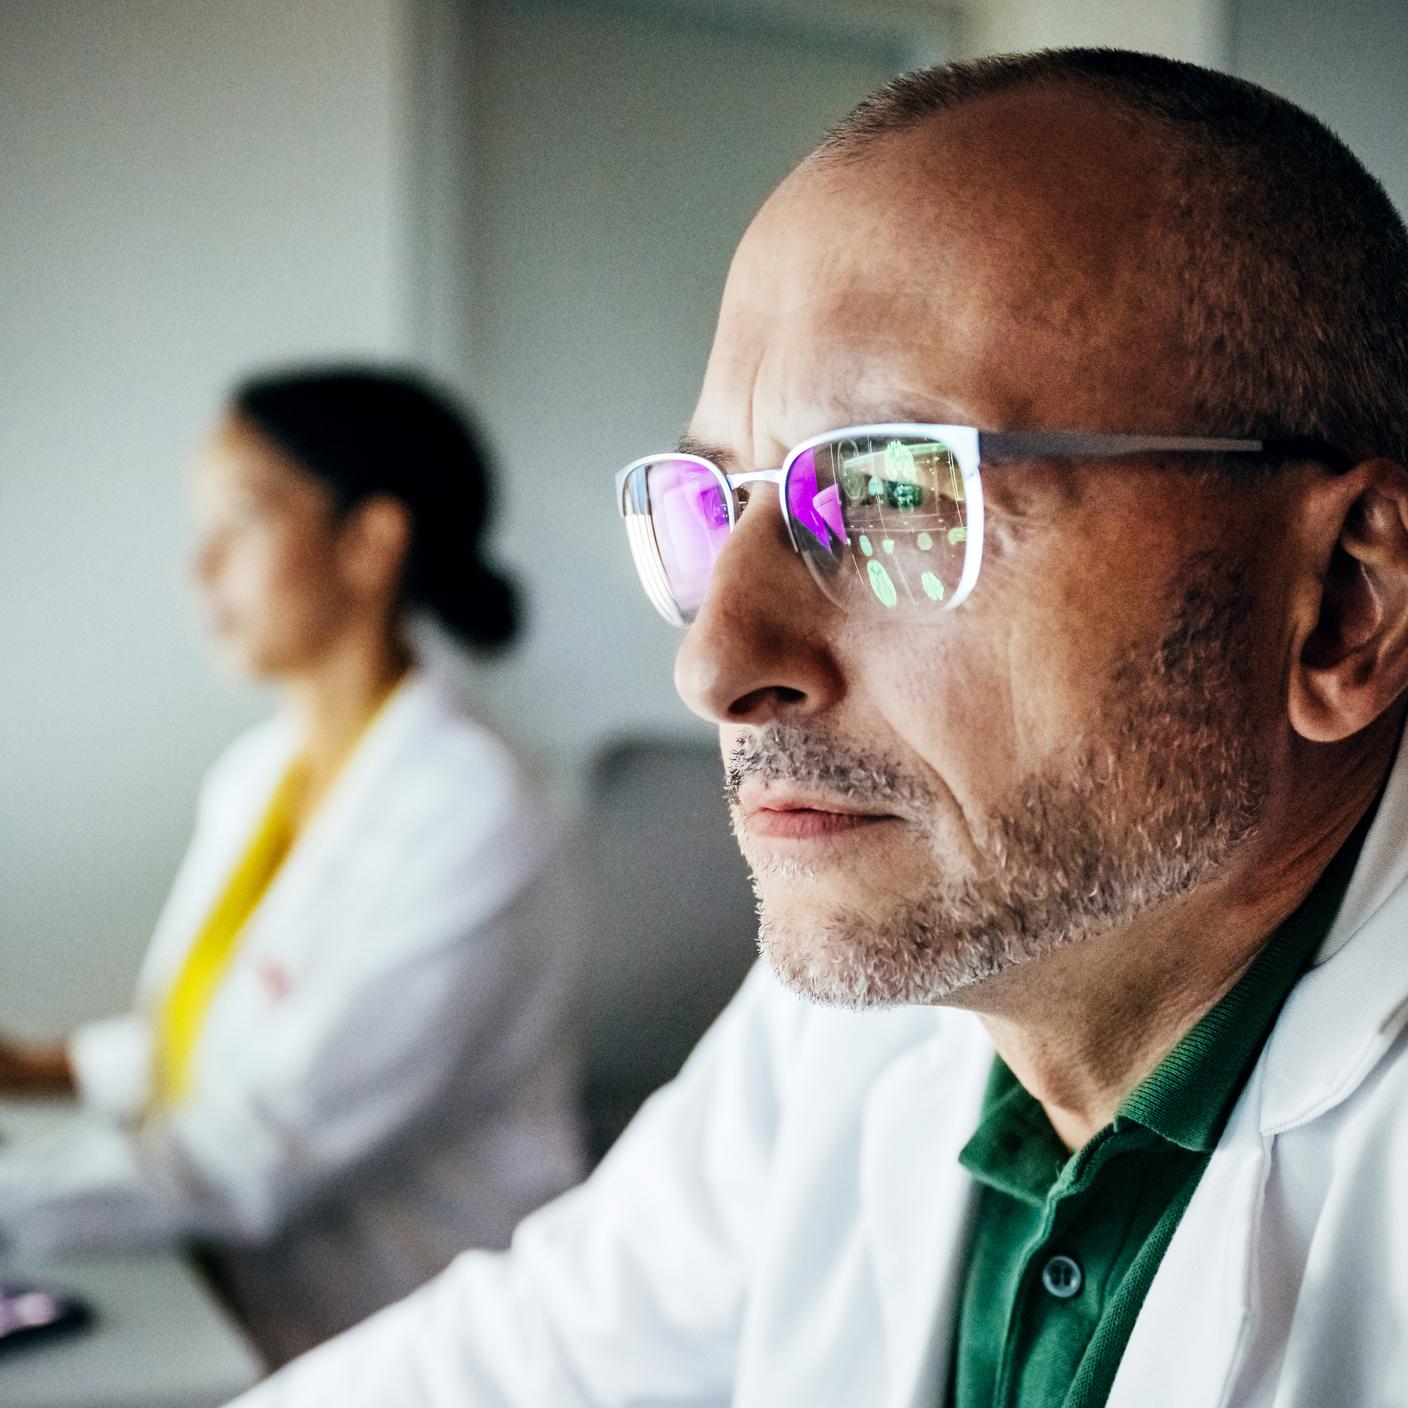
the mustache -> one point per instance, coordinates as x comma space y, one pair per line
779, 752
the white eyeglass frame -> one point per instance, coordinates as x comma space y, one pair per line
967, 444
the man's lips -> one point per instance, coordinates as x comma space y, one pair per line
778, 813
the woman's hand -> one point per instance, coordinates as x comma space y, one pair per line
34, 1068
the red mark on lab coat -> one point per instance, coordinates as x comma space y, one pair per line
274, 979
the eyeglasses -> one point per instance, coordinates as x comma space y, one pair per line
888, 518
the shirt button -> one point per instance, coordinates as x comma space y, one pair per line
1062, 1277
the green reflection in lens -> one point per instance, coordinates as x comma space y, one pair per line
958, 535
865, 545
933, 588
899, 462
904, 496
881, 584
853, 481
925, 542
888, 545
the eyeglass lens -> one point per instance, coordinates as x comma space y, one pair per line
881, 521
690, 517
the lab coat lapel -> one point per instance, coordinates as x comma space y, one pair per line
1346, 1012
234, 798
1186, 1342
306, 884
1334, 1029
916, 1199
313, 880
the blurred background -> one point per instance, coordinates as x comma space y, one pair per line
534, 200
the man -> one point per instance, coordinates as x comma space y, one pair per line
1060, 694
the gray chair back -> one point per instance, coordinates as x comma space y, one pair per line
669, 920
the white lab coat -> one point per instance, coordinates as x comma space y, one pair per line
381, 1080
783, 1226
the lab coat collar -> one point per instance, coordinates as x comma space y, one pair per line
1335, 1028
916, 1207
1345, 1013
404, 713
343, 812
1337, 1025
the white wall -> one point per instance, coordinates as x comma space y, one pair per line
190, 186
1347, 63
1195, 30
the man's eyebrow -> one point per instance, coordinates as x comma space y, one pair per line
716, 454
844, 414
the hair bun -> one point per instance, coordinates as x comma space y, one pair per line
480, 605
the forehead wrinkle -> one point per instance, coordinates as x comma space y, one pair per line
1047, 254
838, 400
902, 408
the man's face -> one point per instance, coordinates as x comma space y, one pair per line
1088, 737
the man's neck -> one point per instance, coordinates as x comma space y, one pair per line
1083, 1026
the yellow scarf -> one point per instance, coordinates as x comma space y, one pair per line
183, 1010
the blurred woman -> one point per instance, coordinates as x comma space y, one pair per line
344, 1063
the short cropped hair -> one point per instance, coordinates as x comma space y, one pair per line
1290, 261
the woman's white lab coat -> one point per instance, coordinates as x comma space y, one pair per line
381, 1080
783, 1227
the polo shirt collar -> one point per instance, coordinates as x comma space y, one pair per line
1187, 1098
1185, 1101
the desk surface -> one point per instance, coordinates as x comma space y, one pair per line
158, 1339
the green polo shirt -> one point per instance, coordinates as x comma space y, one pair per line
1064, 1246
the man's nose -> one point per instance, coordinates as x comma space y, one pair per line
760, 646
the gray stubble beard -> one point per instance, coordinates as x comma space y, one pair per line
1130, 820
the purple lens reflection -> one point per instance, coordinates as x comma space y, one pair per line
690, 518
814, 509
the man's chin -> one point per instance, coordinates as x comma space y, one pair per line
838, 885
838, 960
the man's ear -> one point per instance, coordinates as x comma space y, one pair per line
1352, 663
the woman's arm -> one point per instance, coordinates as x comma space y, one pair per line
35, 1068
427, 991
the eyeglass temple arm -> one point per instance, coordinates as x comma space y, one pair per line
631, 494
1021, 444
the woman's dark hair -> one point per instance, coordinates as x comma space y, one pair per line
364, 432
